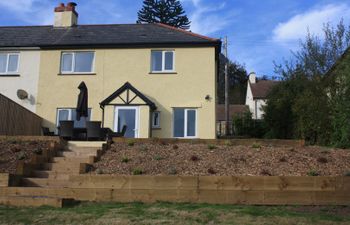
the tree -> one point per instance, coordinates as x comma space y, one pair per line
169, 12
310, 103
237, 76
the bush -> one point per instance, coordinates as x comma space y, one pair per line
211, 171
313, 173
38, 151
172, 171
98, 171
256, 145
125, 160
21, 156
175, 146
143, 148
322, 160
131, 143
137, 172
158, 157
347, 174
211, 147
194, 158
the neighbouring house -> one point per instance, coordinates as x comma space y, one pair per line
257, 92
158, 80
234, 110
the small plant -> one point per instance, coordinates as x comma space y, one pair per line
283, 159
265, 172
163, 143
172, 171
137, 172
175, 146
211, 171
21, 156
158, 157
313, 173
256, 145
292, 150
98, 171
131, 143
143, 148
38, 151
228, 143
125, 160
325, 151
322, 160
194, 158
211, 147
347, 174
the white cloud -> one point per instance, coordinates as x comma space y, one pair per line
296, 27
207, 19
17, 5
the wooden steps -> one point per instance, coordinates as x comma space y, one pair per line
44, 182
35, 201
51, 174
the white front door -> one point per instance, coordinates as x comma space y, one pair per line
129, 116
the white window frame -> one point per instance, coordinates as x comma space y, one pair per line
163, 62
73, 62
8, 61
70, 112
185, 123
156, 125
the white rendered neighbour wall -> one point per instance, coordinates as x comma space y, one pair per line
255, 105
29, 62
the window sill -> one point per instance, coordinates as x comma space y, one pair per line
76, 74
156, 128
162, 72
9, 75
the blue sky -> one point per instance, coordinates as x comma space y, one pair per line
259, 31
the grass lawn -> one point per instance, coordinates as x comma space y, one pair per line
171, 213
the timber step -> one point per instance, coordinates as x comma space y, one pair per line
64, 167
71, 154
44, 182
72, 160
51, 174
33, 201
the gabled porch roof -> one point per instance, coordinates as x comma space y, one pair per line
128, 100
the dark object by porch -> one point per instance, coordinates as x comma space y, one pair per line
66, 129
46, 131
82, 105
94, 130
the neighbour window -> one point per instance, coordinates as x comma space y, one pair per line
77, 62
162, 61
156, 120
9, 63
185, 122
71, 114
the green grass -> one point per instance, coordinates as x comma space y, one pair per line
171, 213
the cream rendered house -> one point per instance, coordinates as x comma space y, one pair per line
158, 80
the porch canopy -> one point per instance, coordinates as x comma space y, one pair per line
126, 95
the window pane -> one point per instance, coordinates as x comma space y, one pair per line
179, 124
83, 61
156, 61
13, 63
191, 123
3, 63
156, 119
63, 114
169, 60
66, 63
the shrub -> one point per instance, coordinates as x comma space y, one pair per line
322, 160
228, 143
347, 174
143, 148
158, 157
325, 151
21, 156
194, 158
125, 160
175, 147
265, 172
256, 145
211, 170
131, 143
313, 173
211, 147
137, 172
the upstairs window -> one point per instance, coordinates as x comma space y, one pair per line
9, 63
162, 61
77, 62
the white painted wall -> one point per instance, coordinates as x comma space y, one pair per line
29, 63
255, 105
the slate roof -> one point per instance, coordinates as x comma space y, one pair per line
233, 111
117, 35
261, 88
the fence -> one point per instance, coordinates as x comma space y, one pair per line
17, 120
